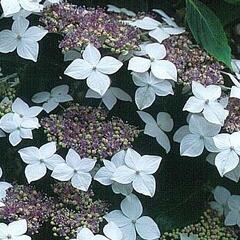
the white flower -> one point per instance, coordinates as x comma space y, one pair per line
233, 216
110, 96
162, 69
235, 65
184, 236
20, 122
75, 169
138, 171
158, 128
22, 38
3, 187
14, 230
112, 8
221, 196
205, 101
2, 133
14, 6
198, 135
156, 29
39, 159
129, 220
229, 150
94, 68
51, 100
149, 87
105, 174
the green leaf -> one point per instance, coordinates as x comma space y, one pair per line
208, 31
232, 1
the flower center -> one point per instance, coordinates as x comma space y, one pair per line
134, 221
232, 148
137, 172
9, 236
207, 101
94, 68
19, 37
41, 161
75, 171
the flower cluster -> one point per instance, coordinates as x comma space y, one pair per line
87, 131
210, 226
81, 26
193, 63
24, 202
75, 209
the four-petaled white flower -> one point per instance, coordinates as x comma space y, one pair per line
162, 69
221, 196
14, 230
138, 170
39, 159
52, 99
158, 128
129, 220
111, 232
94, 68
14, 6
233, 216
149, 87
3, 187
205, 100
75, 169
156, 29
112, 8
110, 96
22, 38
20, 122
104, 175
198, 135
228, 146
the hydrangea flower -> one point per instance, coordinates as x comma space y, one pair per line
158, 128
104, 174
138, 170
110, 97
14, 6
148, 87
39, 160
162, 69
20, 122
94, 68
228, 146
129, 220
196, 136
52, 99
75, 169
156, 29
22, 38
233, 216
205, 100
14, 230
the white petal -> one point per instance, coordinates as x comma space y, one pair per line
132, 159
194, 105
145, 184
73, 159
20, 26
147, 228
141, 79
235, 141
92, 94
41, 97
164, 69
20, 107
18, 228
181, 133
85, 234
35, 33
231, 218
91, 55
147, 23
35, 171
192, 145
79, 69
139, 64
165, 121
118, 218
109, 65
123, 175
163, 88
15, 138
118, 158
129, 232
124, 189
156, 51
235, 92
86, 165
81, 181
10, 7
234, 202
33, 112
8, 41
98, 82
50, 105
163, 140
221, 195
199, 90
28, 49
152, 130
147, 118
150, 164
54, 161
120, 94
159, 34
62, 172
112, 231
47, 150
109, 99
103, 176
131, 207
30, 155
226, 161
222, 141
31, 6
144, 97
26, 133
